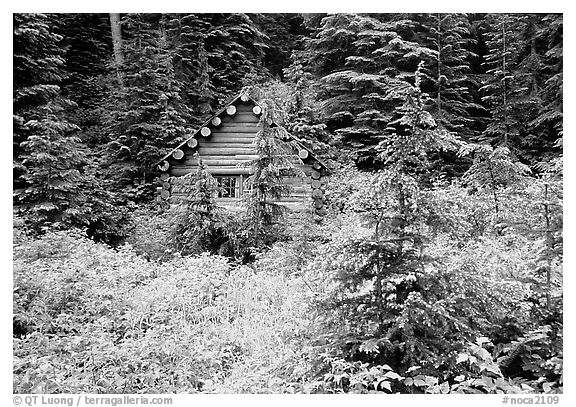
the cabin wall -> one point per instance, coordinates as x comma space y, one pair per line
300, 196
228, 149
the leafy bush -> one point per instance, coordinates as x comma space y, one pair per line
96, 319
537, 356
149, 233
451, 209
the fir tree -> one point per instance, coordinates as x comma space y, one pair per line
151, 114
382, 287
38, 71
358, 91
86, 41
48, 156
187, 34
214, 55
500, 89
198, 224
235, 49
265, 185
520, 80
448, 76
543, 76
410, 139
283, 34
296, 97
494, 169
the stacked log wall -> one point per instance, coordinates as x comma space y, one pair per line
226, 147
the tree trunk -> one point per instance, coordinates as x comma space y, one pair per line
378, 282
549, 246
494, 194
116, 29
504, 99
439, 68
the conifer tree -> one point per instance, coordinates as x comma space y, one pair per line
447, 76
197, 226
38, 71
500, 88
298, 95
382, 287
409, 140
541, 67
235, 49
213, 56
523, 69
188, 33
362, 62
86, 41
493, 169
265, 185
283, 32
47, 154
529, 76
151, 115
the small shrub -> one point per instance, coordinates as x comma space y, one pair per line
149, 233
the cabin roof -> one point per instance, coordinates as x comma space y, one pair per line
245, 98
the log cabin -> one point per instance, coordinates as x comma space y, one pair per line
225, 144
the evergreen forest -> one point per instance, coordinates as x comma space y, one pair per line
436, 266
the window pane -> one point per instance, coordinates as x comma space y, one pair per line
228, 187
233, 187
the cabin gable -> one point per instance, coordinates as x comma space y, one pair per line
225, 144
226, 147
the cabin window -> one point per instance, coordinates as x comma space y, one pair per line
228, 186
232, 186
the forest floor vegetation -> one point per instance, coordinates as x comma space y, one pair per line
96, 319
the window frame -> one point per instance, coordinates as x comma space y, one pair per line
238, 190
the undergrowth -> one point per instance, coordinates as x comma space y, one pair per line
88, 318
475, 315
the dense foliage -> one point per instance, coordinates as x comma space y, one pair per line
472, 312
437, 268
